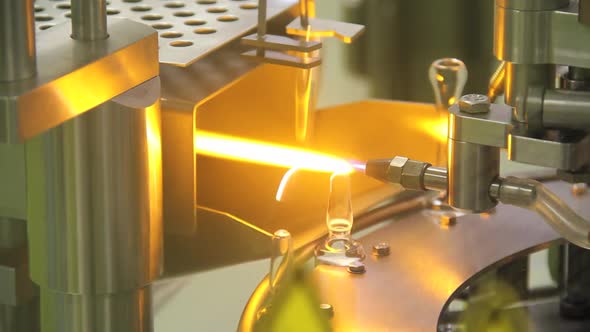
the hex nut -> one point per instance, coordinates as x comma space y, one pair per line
394, 172
356, 267
327, 309
413, 175
447, 219
381, 249
474, 104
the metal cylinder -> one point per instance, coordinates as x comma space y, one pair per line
532, 4
435, 178
17, 40
472, 168
566, 109
89, 20
95, 218
524, 86
123, 311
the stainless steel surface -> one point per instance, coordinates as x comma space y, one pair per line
188, 30
346, 32
435, 178
61, 90
541, 36
524, 87
17, 40
569, 155
566, 109
95, 218
408, 290
472, 168
89, 19
490, 128
474, 104
123, 311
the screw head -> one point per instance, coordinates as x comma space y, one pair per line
356, 267
579, 189
327, 309
381, 249
474, 104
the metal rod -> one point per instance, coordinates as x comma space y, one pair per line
89, 20
435, 178
566, 109
304, 7
17, 40
262, 5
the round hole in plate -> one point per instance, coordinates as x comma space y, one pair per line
206, 2
141, 8
181, 43
227, 18
171, 34
43, 18
184, 13
217, 10
38, 9
174, 4
161, 26
46, 26
205, 31
131, 1
195, 22
249, 6
68, 15
112, 11
64, 6
151, 17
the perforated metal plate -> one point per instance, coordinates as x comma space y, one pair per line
188, 29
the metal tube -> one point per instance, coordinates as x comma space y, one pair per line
17, 40
472, 168
566, 109
89, 20
435, 178
524, 87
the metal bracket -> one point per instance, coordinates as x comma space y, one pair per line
318, 28
74, 77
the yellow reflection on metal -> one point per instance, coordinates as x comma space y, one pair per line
241, 149
451, 101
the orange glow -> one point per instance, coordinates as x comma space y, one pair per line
241, 149
437, 128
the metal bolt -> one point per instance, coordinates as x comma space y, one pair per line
447, 219
327, 309
579, 189
474, 103
356, 267
381, 249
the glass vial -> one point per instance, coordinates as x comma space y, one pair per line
339, 248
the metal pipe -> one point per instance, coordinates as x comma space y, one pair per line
89, 20
435, 178
472, 168
524, 86
17, 40
566, 109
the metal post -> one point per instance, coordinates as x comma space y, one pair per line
94, 203
17, 40
89, 20
472, 168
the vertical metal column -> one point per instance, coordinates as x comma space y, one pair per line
17, 40
95, 219
89, 20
